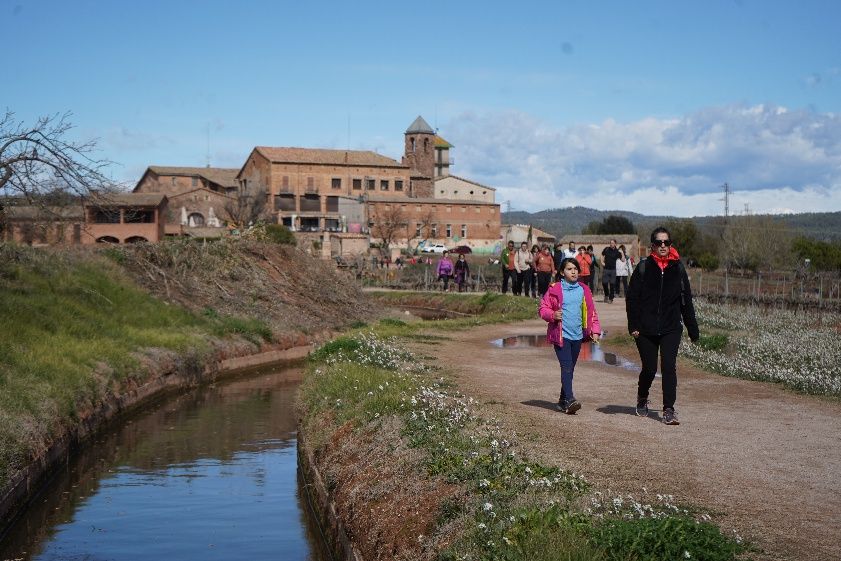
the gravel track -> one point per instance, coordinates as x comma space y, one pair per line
762, 460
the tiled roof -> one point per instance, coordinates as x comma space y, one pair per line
420, 126
440, 177
441, 143
225, 177
49, 213
326, 157
427, 200
126, 199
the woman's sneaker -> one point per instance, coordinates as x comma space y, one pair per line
670, 417
642, 407
572, 407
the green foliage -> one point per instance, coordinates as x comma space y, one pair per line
278, 233
715, 342
823, 256
73, 327
393, 322
252, 329
708, 262
669, 538
613, 224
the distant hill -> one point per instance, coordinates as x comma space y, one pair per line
825, 226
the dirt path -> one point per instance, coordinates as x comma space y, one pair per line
761, 459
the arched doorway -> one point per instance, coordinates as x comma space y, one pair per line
195, 220
136, 239
107, 239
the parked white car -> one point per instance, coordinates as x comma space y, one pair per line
434, 248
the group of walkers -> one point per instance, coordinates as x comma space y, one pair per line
658, 303
458, 271
530, 271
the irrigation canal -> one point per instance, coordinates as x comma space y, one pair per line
207, 475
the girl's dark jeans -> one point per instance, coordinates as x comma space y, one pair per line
649, 347
567, 357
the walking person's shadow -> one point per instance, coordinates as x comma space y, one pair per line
625, 410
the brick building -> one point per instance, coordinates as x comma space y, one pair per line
200, 199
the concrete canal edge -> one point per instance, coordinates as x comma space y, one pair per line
16, 493
323, 508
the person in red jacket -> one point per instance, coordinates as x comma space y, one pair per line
658, 304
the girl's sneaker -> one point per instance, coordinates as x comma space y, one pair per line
670, 417
572, 407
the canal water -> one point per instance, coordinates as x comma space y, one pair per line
202, 476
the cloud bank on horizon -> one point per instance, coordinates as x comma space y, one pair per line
775, 160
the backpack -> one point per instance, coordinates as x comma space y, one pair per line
641, 268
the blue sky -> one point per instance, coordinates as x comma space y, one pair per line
647, 106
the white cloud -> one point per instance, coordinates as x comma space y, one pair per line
775, 159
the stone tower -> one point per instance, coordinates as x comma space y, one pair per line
420, 155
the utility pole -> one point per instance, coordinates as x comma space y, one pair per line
726, 200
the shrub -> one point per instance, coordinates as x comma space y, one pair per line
278, 233
715, 342
708, 262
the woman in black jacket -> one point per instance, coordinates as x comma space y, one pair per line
658, 305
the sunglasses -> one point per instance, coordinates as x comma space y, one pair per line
667, 243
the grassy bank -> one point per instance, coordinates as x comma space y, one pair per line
473, 493
81, 325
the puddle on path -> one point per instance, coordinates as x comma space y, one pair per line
589, 351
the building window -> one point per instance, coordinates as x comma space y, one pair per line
449, 209
434, 230
137, 216
449, 230
310, 224
425, 145
195, 181
383, 184
310, 203
332, 204
413, 143
398, 185
284, 202
455, 192
464, 230
464, 209
357, 184
478, 210
442, 191
195, 220
370, 184
105, 216
174, 181
418, 227
492, 210
471, 192
331, 224
336, 183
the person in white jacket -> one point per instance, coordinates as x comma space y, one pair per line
522, 264
624, 268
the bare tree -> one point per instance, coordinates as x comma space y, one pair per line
424, 228
247, 207
390, 225
38, 160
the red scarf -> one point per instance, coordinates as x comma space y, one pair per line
662, 262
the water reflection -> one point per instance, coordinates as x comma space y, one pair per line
589, 351
210, 475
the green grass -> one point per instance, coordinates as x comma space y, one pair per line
72, 329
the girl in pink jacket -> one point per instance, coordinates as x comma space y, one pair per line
569, 310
